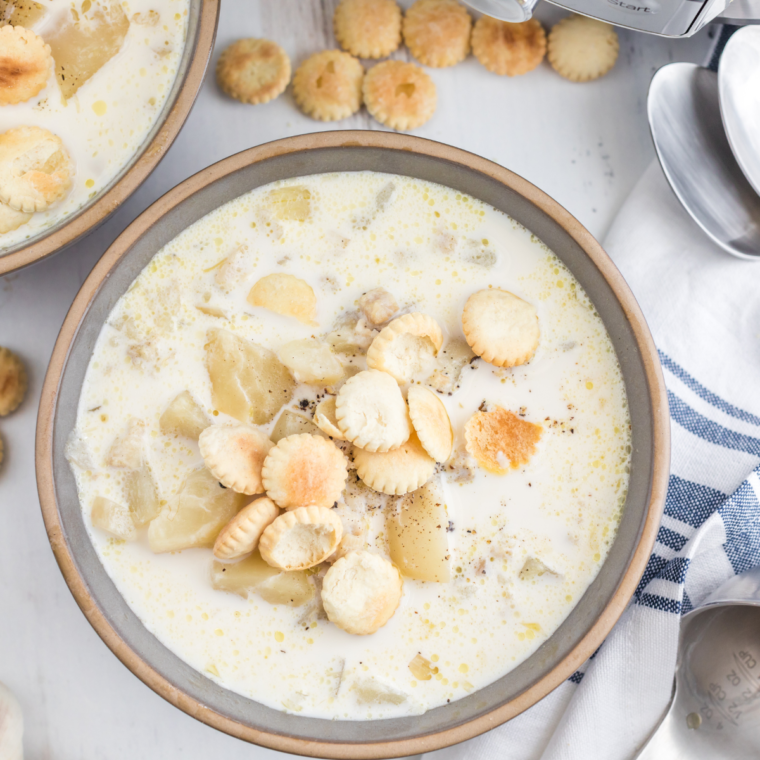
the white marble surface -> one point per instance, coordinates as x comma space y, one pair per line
586, 145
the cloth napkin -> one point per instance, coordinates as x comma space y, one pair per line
703, 307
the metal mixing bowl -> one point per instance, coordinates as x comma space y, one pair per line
595, 614
201, 30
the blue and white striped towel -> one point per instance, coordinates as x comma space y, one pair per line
703, 308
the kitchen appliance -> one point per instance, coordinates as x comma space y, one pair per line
667, 18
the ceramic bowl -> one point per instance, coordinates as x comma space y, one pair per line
594, 615
201, 31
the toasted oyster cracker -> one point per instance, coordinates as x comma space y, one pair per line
35, 168
234, 454
431, 422
240, 536
361, 591
371, 411
400, 95
286, 295
10, 219
368, 28
304, 470
328, 85
508, 49
500, 440
325, 419
378, 306
301, 538
405, 346
25, 64
395, 472
437, 32
581, 49
500, 327
13, 381
253, 70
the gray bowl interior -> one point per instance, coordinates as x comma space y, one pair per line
191, 43
581, 619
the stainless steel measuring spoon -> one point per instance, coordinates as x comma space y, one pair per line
715, 709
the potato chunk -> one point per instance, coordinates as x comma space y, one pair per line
194, 516
254, 575
242, 577
24, 13
183, 417
311, 361
287, 295
292, 589
142, 496
292, 423
248, 382
91, 35
417, 535
290, 203
372, 691
113, 518
127, 450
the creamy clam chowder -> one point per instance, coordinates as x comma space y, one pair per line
110, 68
491, 563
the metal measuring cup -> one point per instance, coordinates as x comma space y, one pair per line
715, 709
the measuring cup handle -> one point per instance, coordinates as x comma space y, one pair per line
660, 745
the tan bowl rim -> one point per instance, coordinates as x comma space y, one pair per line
89, 219
397, 748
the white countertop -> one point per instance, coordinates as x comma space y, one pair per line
585, 145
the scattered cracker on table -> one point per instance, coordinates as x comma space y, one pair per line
437, 32
500, 440
13, 381
581, 49
500, 327
328, 85
395, 472
25, 64
400, 95
361, 591
253, 70
508, 49
368, 28
46, 169
10, 219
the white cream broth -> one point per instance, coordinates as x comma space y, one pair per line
107, 120
431, 247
